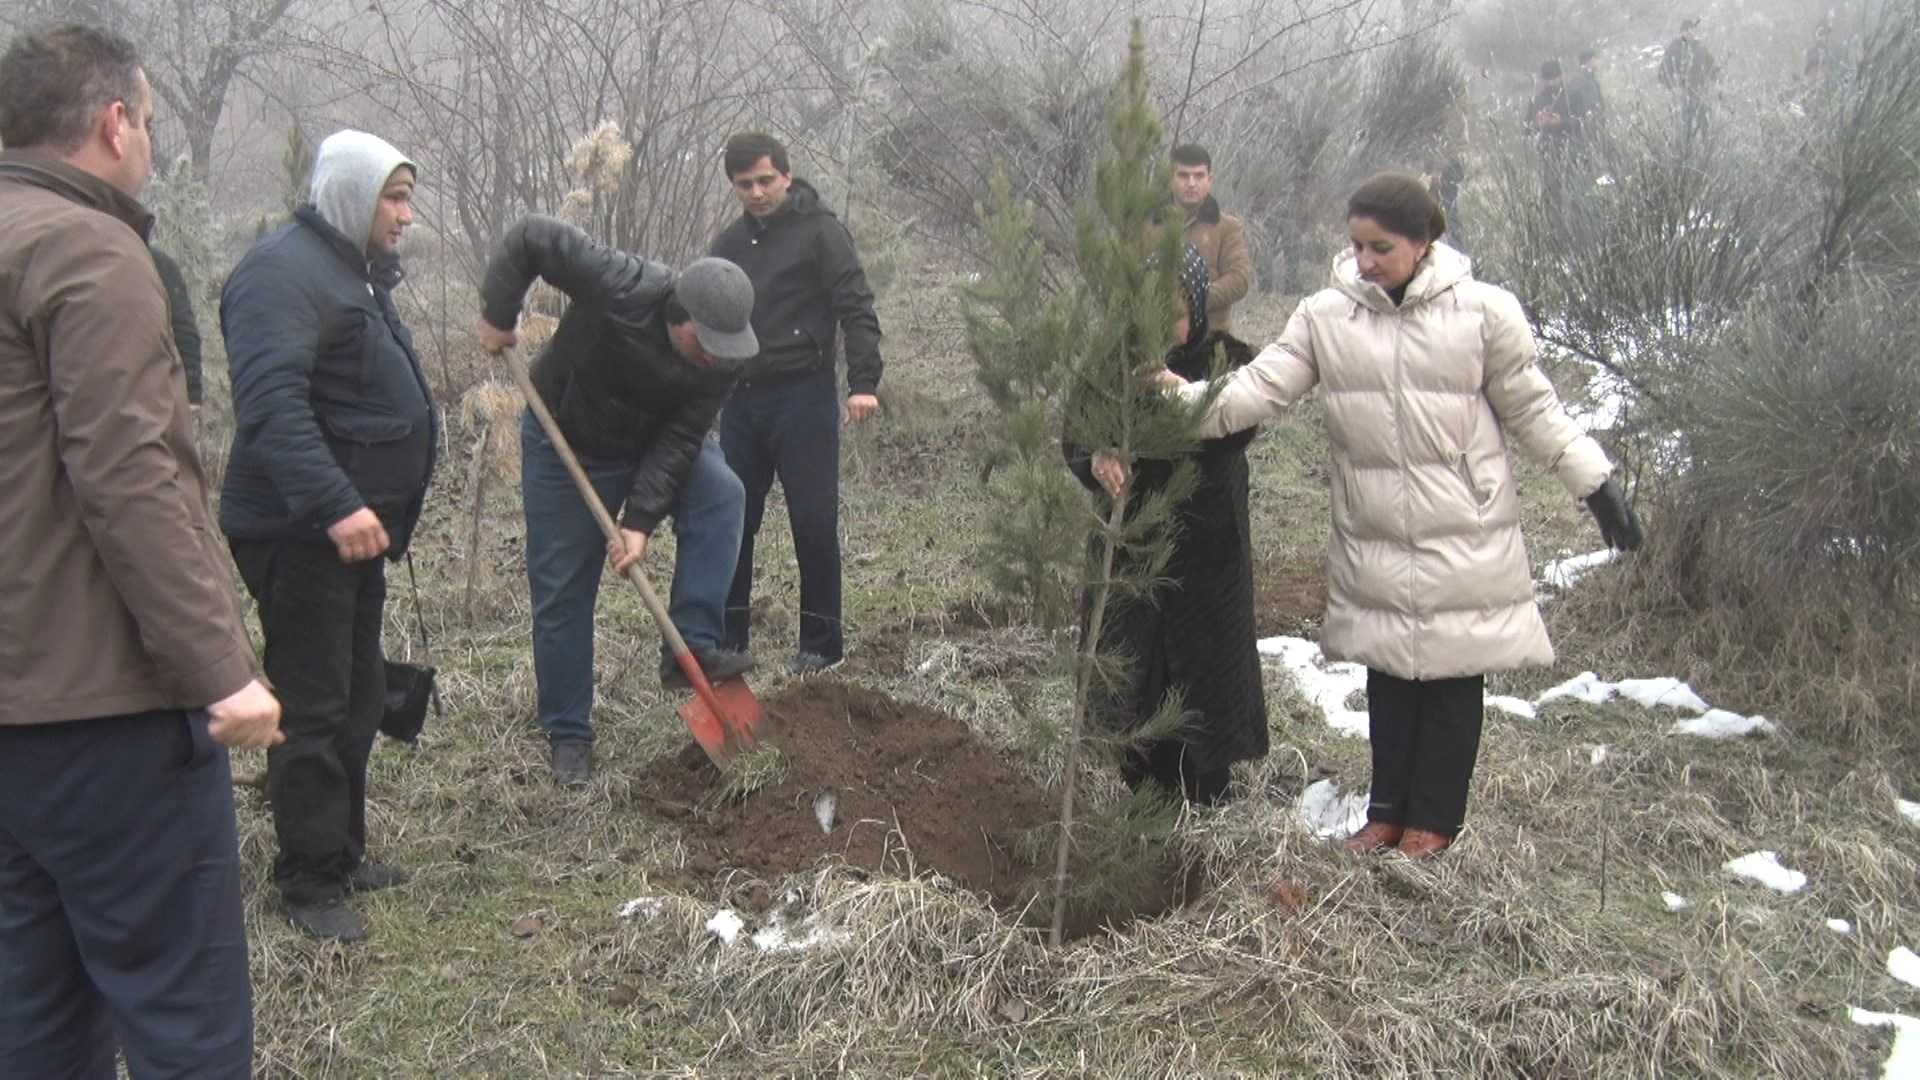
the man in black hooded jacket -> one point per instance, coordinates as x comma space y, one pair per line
785, 418
333, 444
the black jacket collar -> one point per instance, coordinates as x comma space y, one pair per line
78, 185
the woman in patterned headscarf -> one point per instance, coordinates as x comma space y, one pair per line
1194, 635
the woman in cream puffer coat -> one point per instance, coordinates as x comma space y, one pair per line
1426, 374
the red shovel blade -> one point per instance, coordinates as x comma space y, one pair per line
723, 718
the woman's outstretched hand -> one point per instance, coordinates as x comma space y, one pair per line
1111, 471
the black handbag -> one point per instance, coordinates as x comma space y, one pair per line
411, 687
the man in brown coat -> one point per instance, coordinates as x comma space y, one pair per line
1220, 238
125, 671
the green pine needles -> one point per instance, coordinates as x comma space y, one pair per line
1066, 360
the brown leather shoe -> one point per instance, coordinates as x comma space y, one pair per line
1377, 836
1420, 843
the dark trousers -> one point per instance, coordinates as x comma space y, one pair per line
322, 623
1425, 737
120, 917
790, 428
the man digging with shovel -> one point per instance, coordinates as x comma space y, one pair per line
635, 374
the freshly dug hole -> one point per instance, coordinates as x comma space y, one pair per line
914, 790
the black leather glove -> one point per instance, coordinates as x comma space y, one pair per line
1618, 524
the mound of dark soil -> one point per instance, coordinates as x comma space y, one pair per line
913, 789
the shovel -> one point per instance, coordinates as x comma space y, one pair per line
724, 718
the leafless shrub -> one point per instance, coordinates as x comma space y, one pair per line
1735, 282
1304, 151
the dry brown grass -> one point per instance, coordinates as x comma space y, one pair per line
1497, 960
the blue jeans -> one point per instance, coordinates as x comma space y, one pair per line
789, 427
566, 552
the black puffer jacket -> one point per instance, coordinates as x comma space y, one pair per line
331, 408
611, 376
807, 286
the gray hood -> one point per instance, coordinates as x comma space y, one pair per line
348, 174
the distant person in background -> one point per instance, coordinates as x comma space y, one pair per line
186, 327
1550, 114
1558, 133
1586, 102
1822, 69
1687, 68
1428, 378
1219, 237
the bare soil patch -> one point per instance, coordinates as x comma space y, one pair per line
1288, 599
913, 790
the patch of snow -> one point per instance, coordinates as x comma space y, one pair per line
1902, 964
1606, 401
1676, 902
777, 936
1903, 1062
1563, 573
1721, 724
1665, 691
1909, 810
726, 925
1840, 926
1326, 685
1329, 814
1519, 707
1598, 755
1764, 867
1585, 686
644, 907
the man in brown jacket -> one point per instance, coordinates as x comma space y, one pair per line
125, 671
1220, 238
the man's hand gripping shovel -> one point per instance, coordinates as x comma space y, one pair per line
724, 719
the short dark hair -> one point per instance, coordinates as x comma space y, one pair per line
1587, 54
1192, 155
746, 148
1550, 69
54, 81
673, 310
1402, 204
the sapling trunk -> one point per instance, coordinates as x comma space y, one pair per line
1082, 691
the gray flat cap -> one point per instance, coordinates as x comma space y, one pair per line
719, 296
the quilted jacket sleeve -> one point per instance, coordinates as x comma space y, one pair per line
1524, 400
1281, 375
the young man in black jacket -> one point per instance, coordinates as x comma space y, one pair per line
634, 375
785, 419
333, 444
